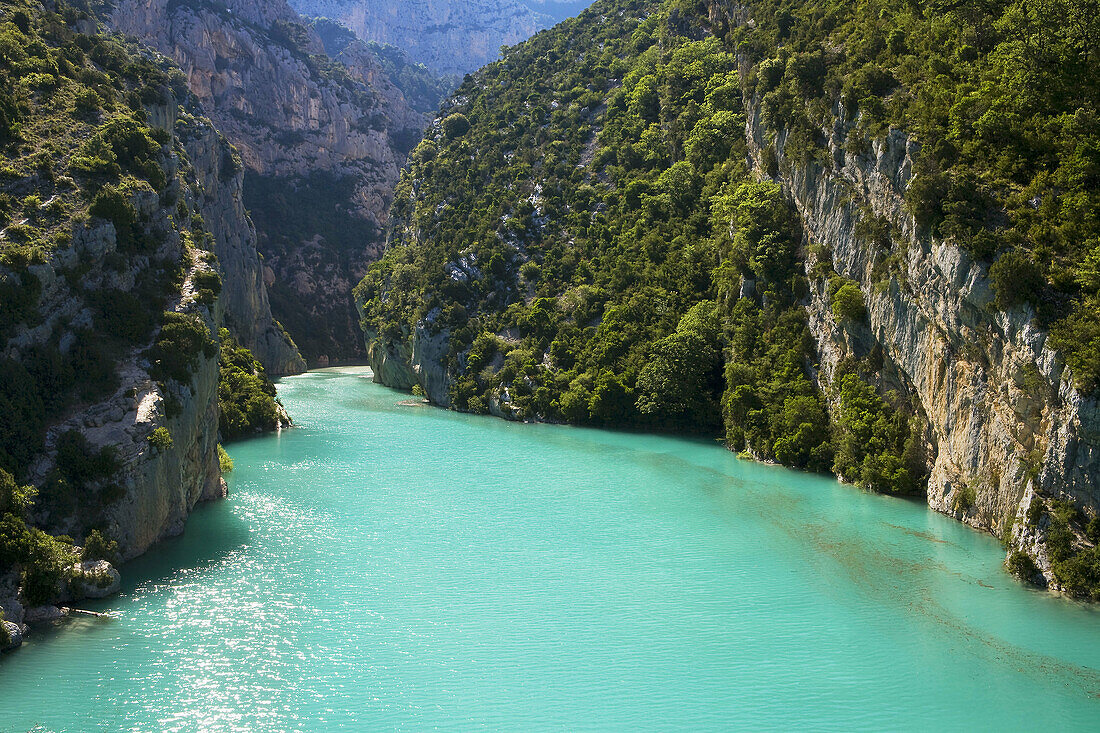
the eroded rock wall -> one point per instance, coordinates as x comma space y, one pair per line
305, 126
1005, 419
244, 293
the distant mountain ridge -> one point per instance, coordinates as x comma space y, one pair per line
449, 36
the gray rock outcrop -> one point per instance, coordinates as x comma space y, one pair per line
15, 636
95, 579
44, 614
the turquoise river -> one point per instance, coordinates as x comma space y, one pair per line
391, 566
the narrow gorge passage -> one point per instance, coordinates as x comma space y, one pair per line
389, 565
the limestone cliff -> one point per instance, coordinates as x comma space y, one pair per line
321, 142
1007, 423
244, 298
154, 487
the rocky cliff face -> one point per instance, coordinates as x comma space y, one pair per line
1007, 426
244, 294
321, 142
449, 36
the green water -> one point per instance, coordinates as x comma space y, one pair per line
387, 566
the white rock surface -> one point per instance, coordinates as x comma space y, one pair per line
95, 579
44, 615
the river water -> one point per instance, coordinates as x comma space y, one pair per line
391, 566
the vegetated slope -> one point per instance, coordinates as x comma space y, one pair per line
322, 142
116, 263
451, 37
776, 223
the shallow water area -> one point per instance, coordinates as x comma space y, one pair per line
390, 566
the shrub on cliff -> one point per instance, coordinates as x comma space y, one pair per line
1016, 280
1075, 565
876, 446
160, 439
14, 540
113, 205
15, 499
846, 300
1022, 566
1078, 337
79, 469
246, 397
98, 547
123, 144
225, 461
455, 126
46, 567
208, 285
182, 340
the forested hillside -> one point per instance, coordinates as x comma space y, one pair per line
858, 238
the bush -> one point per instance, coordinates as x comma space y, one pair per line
1016, 280
123, 144
847, 302
1080, 573
926, 194
682, 382
113, 205
1076, 567
965, 497
160, 439
19, 293
877, 447
208, 285
1022, 566
455, 126
82, 465
9, 117
225, 462
15, 540
98, 547
246, 397
46, 567
175, 352
1034, 512
21, 404
1078, 338
123, 314
87, 104
15, 499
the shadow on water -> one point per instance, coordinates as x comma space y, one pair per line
213, 532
